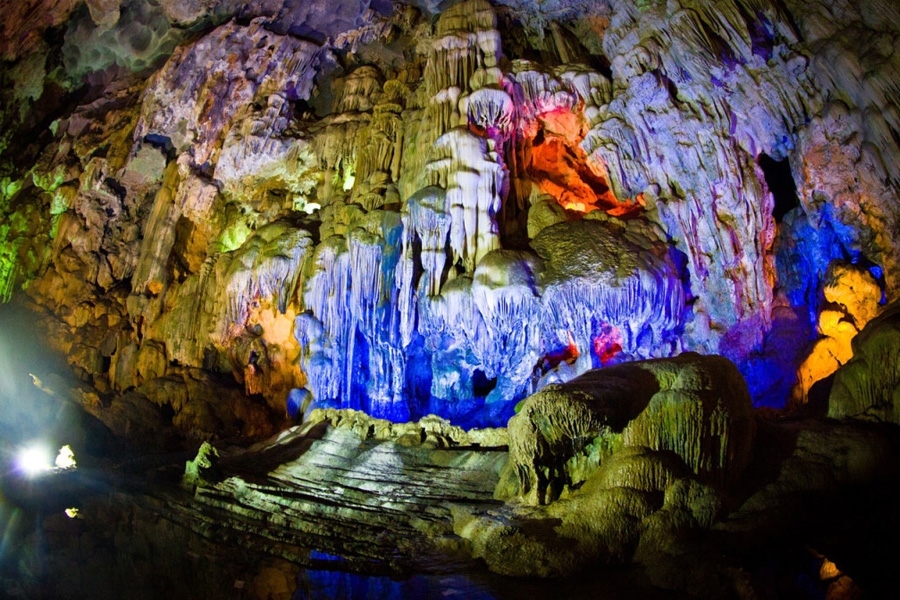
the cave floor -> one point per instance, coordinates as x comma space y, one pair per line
328, 515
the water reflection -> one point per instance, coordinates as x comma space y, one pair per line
322, 585
607, 584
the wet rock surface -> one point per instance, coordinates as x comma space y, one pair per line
344, 499
336, 220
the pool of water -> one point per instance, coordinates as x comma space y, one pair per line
611, 584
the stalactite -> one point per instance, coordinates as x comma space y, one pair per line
475, 185
505, 292
266, 266
491, 110
430, 192
351, 357
426, 220
633, 286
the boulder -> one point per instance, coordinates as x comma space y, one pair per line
702, 412
694, 406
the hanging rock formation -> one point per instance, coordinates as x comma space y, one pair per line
362, 210
398, 221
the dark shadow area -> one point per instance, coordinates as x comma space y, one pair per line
801, 503
780, 181
253, 466
481, 384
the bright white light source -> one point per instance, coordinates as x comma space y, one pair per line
34, 460
66, 458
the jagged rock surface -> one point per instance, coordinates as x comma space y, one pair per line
417, 187
866, 387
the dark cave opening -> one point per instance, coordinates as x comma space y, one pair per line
481, 384
781, 183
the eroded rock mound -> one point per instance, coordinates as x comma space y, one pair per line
697, 407
616, 464
702, 412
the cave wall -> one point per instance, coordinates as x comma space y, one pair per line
232, 210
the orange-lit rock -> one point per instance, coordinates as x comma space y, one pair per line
856, 296
560, 172
868, 386
828, 570
855, 291
560, 168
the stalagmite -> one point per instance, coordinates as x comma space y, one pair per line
694, 406
866, 387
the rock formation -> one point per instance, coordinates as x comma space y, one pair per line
231, 217
662, 132
866, 386
693, 406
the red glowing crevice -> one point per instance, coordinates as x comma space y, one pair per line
568, 354
560, 168
607, 344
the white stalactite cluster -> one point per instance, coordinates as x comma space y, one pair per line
699, 94
352, 355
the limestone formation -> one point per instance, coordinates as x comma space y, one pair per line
626, 277
693, 406
381, 226
702, 412
853, 297
627, 171
866, 386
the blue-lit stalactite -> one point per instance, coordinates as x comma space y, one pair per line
462, 363
389, 331
375, 338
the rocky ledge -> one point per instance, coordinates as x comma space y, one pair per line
659, 464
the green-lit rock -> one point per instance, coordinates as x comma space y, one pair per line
697, 407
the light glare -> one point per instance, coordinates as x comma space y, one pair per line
34, 460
